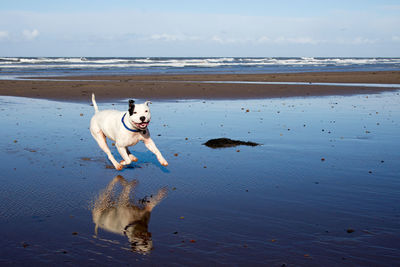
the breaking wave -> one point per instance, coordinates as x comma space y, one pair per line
56, 65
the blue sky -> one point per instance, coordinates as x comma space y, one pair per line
351, 28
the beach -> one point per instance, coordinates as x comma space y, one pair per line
189, 86
321, 188
200, 133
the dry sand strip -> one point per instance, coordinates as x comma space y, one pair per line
155, 87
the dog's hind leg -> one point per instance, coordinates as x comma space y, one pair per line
102, 142
131, 156
123, 151
126, 155
124, 199
104, 202
105, 198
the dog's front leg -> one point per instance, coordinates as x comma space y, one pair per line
152, 147
124, 153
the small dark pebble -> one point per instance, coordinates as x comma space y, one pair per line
226, 142
74, 233
175, 233
350, 230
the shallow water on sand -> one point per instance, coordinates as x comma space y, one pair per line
323, 189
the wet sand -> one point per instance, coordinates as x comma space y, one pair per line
191, 87
322, 189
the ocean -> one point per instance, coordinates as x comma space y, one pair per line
16, 67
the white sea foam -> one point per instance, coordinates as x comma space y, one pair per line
200, 62
271, 64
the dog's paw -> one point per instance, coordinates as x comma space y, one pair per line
133, 158
164, 163
119, 167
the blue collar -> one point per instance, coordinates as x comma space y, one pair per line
126, 127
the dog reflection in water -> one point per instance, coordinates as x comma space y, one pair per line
118, 214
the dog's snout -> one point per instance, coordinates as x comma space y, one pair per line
143, 118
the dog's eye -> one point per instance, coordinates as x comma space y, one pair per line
146, 111
134, 112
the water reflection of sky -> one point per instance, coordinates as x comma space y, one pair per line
327, 165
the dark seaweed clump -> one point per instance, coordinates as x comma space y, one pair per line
226, 142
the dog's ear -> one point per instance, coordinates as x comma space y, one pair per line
131, 107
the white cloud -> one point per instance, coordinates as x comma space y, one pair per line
288, 40
223, 40
304, 40
166, 37
357, 41
3, 35
362, 40
30, 35
264, 39
391, 7
396, 38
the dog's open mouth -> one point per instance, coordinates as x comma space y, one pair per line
141, 125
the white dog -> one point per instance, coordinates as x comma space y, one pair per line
126, 129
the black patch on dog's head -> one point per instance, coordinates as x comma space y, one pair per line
131, 107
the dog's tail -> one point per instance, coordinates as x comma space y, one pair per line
96, 108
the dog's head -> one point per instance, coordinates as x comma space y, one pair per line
139, 236
139, 114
